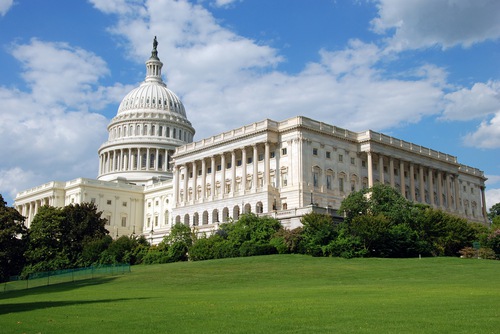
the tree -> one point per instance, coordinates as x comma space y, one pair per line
58, 236
494, 216
318, 231
13, 235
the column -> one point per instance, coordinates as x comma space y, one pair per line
147, 159
255, 161
439, 189
402, 178
129, 159
422, 184
381, 168
431, 186
457, 193
391, 171
223, 173
244, 169
483, 204
185, 186
448, 190
203, 178
195, 179
266, 165
139, 159
212, 179
370, 169
157, 162
233, 172
412, 182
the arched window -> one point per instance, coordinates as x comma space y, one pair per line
196, 219
153, 128
145, 130
236, 212
152, 160
205, 218
167, 217
215, 216
248, 208
186, 219
160, 161
178, 219
167, 133
259, 208
225, 214
143, 162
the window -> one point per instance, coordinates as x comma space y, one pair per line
315, 151
329, 182
341, 158
353, 161
108, 202
363, 163
238, 163
156, 203
283, 151
156, 221
209, 170
273, 154
124, 204
328, 155
341, 184
218, 168
108, 220
228, 165
124, 221
249, 160
149, 204
261, 157
199, 172
315, 178
149, 221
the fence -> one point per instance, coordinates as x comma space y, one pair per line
63, 276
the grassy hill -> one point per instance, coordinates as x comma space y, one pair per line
269, 294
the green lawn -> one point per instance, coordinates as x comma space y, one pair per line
269, 294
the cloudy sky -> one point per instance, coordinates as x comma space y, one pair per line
426, 71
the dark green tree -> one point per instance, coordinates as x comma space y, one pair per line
494, 216
13, 237
58, 236
318, 231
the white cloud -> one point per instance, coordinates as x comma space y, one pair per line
492, 197
5, 5
481, 100
52, 124
222, 76
224, 3
487, 135
446, 23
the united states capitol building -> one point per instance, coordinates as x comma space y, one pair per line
153, 175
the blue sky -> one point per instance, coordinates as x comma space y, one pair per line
425, 71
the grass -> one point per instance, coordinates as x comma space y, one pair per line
269, 294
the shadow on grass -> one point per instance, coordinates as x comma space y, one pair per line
31, 306
58, 287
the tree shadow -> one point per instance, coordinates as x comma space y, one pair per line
56, 287
31, 306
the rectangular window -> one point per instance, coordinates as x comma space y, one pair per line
209, 170
273, 154
108, 202
199, 172
228, 165
315, 151
363, 163
328, 155
341, 158
341, 184
283, 151
108, 220
249, 160
329, 182
238, 163
218, 167
353, 161
156, 220
124, 204
315, 178
124, 221
149, 222
261, 157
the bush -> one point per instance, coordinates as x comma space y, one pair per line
346, 246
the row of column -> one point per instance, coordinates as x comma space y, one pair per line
30, 209
191, 168
149, 129
445, 195
135, 159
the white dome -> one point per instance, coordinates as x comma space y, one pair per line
150, 124
152, 96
